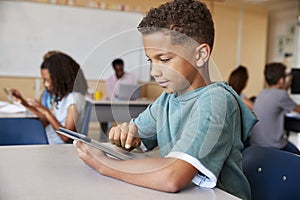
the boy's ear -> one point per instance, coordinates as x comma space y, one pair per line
281, 82
202, 54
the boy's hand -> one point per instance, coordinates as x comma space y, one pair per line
125, 136
90, 155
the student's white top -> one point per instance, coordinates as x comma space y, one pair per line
60, 112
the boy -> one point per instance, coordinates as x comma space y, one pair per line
270, 106
198, 126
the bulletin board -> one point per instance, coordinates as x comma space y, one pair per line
93, 37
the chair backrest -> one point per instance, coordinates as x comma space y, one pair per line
22, 131
272, 174
84, 120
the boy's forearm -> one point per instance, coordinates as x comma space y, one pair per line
164, 174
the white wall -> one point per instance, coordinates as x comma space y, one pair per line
93, 37
283, 36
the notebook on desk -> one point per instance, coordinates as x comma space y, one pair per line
129, 91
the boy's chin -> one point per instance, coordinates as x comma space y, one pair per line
168, 91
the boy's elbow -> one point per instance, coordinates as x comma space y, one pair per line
174, 183
177, 176
173, 187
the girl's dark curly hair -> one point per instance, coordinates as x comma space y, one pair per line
65, 74
189, 17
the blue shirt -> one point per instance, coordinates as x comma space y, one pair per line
204, 127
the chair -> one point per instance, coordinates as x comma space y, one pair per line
84, 120
22, 131
272, 174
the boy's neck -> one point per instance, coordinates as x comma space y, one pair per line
277, 86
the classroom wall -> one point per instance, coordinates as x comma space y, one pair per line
238, 41
241, 39
284, 35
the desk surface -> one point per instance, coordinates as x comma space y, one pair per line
294, 115
55, 172
116, 111
26, 114
111, 102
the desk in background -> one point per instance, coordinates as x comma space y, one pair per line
55, 172
23, 128
26, 114
116, 111
292, 122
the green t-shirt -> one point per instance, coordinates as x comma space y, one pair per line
205, 127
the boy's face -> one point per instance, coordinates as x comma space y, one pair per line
172, 66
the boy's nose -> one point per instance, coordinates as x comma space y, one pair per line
155, 70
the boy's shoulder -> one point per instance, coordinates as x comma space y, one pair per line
273, 92
217, 88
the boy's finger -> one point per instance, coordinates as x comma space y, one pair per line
129, 141
116, 137
123, 138
130, 137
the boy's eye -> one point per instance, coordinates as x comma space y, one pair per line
164, 59
149, 60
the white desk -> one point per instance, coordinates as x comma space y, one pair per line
50, 172
117, 111
26, 114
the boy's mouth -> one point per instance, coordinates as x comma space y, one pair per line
163, 83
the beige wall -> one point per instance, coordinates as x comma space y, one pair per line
252, 54
254, 47
241, 42
150, 90
27, 87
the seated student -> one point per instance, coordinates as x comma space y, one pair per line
119, 77
270, 107
198, 125
238, 81
112, 85
46, 98
64, 79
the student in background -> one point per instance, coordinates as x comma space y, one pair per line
46, 98
112, 85
238, 81
64, 79
198, 125
270, 106
120, 77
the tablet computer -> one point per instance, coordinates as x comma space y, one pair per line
106, 148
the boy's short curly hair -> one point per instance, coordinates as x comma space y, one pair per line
188, 17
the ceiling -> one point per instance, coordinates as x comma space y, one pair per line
271, 5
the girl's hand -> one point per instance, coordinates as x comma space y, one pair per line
18, 97
36, 104
33, 102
